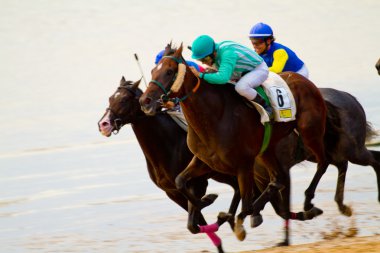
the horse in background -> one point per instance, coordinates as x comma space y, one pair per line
377, 66
347, 131
163, 143
227, 135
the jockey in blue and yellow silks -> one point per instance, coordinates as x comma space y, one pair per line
278, 57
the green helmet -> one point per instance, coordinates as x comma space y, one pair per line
202, 46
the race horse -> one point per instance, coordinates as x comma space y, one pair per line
167, 156
163, 143
227, 135
347, 131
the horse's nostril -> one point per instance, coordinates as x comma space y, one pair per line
104, 124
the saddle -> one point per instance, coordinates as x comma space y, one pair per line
277, 94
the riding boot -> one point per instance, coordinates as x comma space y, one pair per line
258, 99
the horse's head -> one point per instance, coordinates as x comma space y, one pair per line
123, 107
168, 74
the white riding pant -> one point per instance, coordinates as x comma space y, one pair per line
245, 86
304, 71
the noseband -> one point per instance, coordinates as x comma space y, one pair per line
165, 97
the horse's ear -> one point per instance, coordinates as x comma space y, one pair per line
122, 81
178, 53
168, 46
135, 85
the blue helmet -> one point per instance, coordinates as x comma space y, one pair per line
159, 56
260, 31
202, 46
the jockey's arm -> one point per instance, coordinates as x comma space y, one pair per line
280, 57
226, 68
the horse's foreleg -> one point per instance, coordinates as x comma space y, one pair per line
196, 221
199, 227
286, 232
233, 207
195, 169
232, 181
246, 186
339, 193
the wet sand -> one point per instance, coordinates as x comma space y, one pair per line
98, 197
342, 245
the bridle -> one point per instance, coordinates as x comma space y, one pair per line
117, 121
165, 97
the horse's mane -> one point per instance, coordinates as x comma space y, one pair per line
228, 88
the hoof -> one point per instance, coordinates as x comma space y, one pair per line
223, 217
312, 213
282, 244
346, 210
316, 211
239, 230
208, 199
256, 220
240, 233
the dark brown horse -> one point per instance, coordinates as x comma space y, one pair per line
347, 130
164, 145
227, 135
377, 66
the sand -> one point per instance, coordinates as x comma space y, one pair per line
341, 245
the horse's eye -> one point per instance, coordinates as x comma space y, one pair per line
170, 72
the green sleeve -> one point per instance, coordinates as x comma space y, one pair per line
226, 68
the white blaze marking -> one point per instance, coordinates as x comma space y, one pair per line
116, 94
159, 66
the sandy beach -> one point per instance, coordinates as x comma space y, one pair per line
345, 245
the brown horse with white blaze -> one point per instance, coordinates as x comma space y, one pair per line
227, 135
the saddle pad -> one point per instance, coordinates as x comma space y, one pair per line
281, 98
179, 118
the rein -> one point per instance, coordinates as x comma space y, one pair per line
165, 96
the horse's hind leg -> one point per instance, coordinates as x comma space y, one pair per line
369, 157
339, 193
376, 166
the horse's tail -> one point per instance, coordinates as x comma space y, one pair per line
333, 126
370, 132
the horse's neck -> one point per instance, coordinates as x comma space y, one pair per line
158, 134
164, 146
